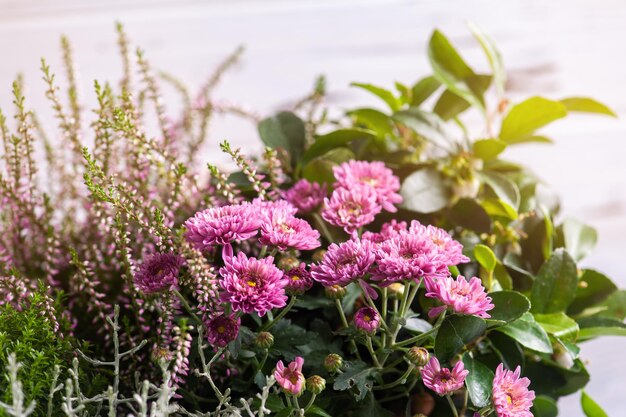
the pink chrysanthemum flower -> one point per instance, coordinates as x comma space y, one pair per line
344, 263
298, 280
290, 378
251, 284
367, 319
222, 329
305, 196
387, 231
265, 207
374, 175
510, 393
407, 256
351, 208
461, 296
222, 225
158, 272
447, 246
443, 380
283, 230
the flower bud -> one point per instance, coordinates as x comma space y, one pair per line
286, 263
333, 363
264, 340
161, 355
418, 356
318, 255
315, 384
367, 320
335, 292
396, 290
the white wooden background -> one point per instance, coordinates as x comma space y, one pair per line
557, 48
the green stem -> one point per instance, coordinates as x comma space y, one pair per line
280, 315
322, 226
370, 348
263, 251
296, 404
398, 381
384, 296
187, 306
310, 403
344, 321
452, 406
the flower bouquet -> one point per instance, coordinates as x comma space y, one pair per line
383, 263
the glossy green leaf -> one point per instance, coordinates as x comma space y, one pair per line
559, 325
493, 56
555, 285
335, 139
498, 208
358, 375
385, 95
587, 105
615, 305
456, 332
426, 124
479, 381
593, 287
590, 407
450, 105
468, 214
528, 333
526, 117
374, 120
320, 169
508, 305
504, 188
578, 238
595, 326
423, 89
485, 257
284, 130
544, 406
424, 191
488, 149
405, 93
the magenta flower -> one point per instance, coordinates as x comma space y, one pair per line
298, 280
282, 230
222, 329
443, 380
447, 246
158, 272
265, 207
387, 231
510, 394
344, 263
367, 319
290, 378
351, 208
374, 175
461, 296
222, 225
251, 284
305, 196
408, 256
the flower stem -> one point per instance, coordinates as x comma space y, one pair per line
280, 315
310, 403
398, 381
344, 321
187, 306
324, 229
370, 348
452, 406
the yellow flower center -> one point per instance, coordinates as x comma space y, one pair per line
285, 228
367, 318
221, 329
295, 278
509, 399
251, 283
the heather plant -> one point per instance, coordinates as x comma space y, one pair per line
388, 262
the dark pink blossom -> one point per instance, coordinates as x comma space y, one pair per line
298, 280
344, 263
222, 225
461, 296
351, 208
158, 272
447, 246
222, 329
284, 231
367, 319
443, 380
510, 393
305, 196
374, 175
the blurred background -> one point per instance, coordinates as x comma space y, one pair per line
556, 49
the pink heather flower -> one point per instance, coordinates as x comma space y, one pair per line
344, 263
158, 272
461, 296
305, 196
351, 208
290, 378
367, 319
387, 231
447, 246
374, 175
298, 280
222, 329
251, 284
407, 256
510, 394
443, 380
282, 230
222, 225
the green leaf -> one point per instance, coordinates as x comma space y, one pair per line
587, 105
358, 375
593, 287
555, 285
591, 327
450, 105
468, 214
493, 56
488, 149
479, 381
314, 410
528, 333
321, 169
450, 69
373, 119
485, 257
285, 412
615, 305
405, 93
578, 238
456, 332
386, 95
590, 407
424, 191
498, 208
544, 406
335, 139
426, 124
423, 89
504, 188
526, 117
509, 305
284, 130
559, 325
417, 325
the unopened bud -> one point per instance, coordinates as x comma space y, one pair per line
161, 355
315, 384
318, 255
396, 290
335, 292
288, 262
264, 340
418, 356
333, 363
